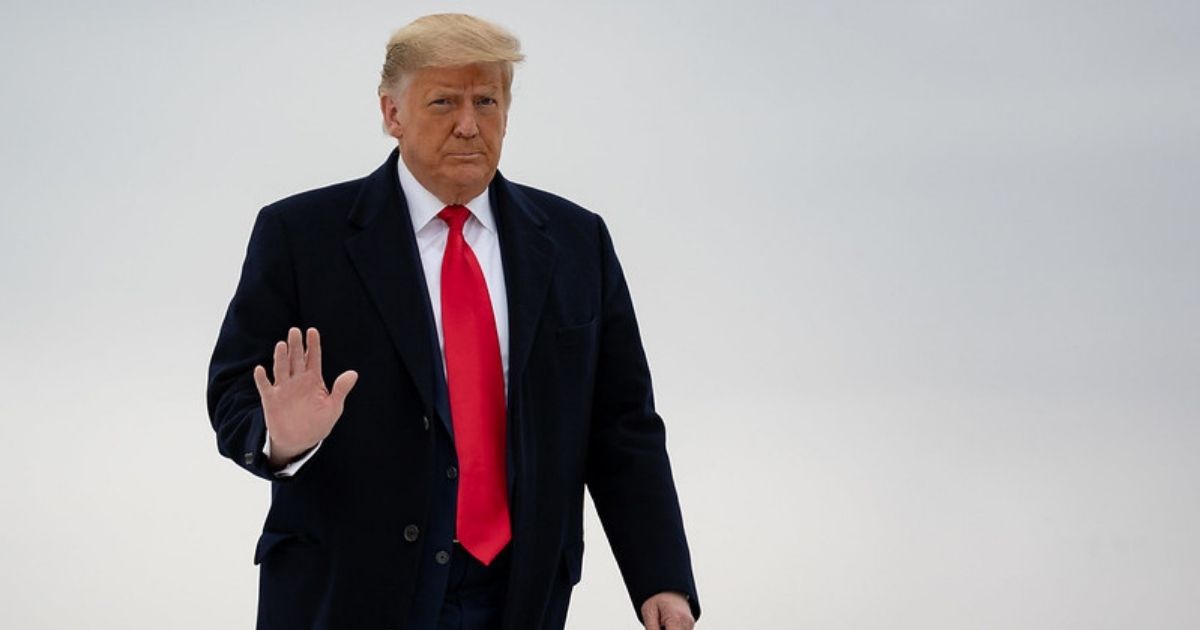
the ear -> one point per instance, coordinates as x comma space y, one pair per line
390, 109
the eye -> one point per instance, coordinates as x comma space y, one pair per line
439, 102
485, 101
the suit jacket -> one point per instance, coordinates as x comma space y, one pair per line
339, 547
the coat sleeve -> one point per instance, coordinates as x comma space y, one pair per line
629, 473
262, 309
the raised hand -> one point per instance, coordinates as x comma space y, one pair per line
299, 411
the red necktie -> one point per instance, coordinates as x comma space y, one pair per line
476, 381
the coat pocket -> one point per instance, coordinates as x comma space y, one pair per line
295, 581
570, 338
269, 540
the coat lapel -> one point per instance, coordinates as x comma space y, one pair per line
528, 256
384, 253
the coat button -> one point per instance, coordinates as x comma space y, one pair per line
442, 557
425, 421
451, 473
411, 533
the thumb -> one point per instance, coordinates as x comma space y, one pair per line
341, 388
261, 382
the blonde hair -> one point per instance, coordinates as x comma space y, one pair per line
448, 39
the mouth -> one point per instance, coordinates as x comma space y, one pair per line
465, 155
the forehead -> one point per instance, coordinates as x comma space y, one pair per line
476, 76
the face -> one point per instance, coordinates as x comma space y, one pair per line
450, 124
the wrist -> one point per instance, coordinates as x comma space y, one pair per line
280, 455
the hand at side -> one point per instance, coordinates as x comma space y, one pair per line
667, 610
298, 409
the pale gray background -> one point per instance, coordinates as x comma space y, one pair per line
918, 282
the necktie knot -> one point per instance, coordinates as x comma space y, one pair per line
454, 216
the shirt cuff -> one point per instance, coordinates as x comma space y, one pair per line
294, 465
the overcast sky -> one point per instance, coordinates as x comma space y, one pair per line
919, 283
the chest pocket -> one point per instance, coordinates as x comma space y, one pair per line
576, 337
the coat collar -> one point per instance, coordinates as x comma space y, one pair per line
384, 253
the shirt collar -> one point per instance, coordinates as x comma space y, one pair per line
424, 206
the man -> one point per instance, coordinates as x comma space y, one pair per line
485, 365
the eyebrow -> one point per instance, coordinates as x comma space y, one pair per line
456, 90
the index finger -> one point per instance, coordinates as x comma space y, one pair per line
312, 356
650, 618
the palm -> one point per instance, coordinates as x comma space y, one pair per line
298, 409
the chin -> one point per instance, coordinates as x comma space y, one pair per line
473, 178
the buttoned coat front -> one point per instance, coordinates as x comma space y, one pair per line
341, 544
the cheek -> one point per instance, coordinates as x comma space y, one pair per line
429, 145
496, 133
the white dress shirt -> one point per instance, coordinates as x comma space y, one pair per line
431, 232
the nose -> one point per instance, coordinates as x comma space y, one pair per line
465, 125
